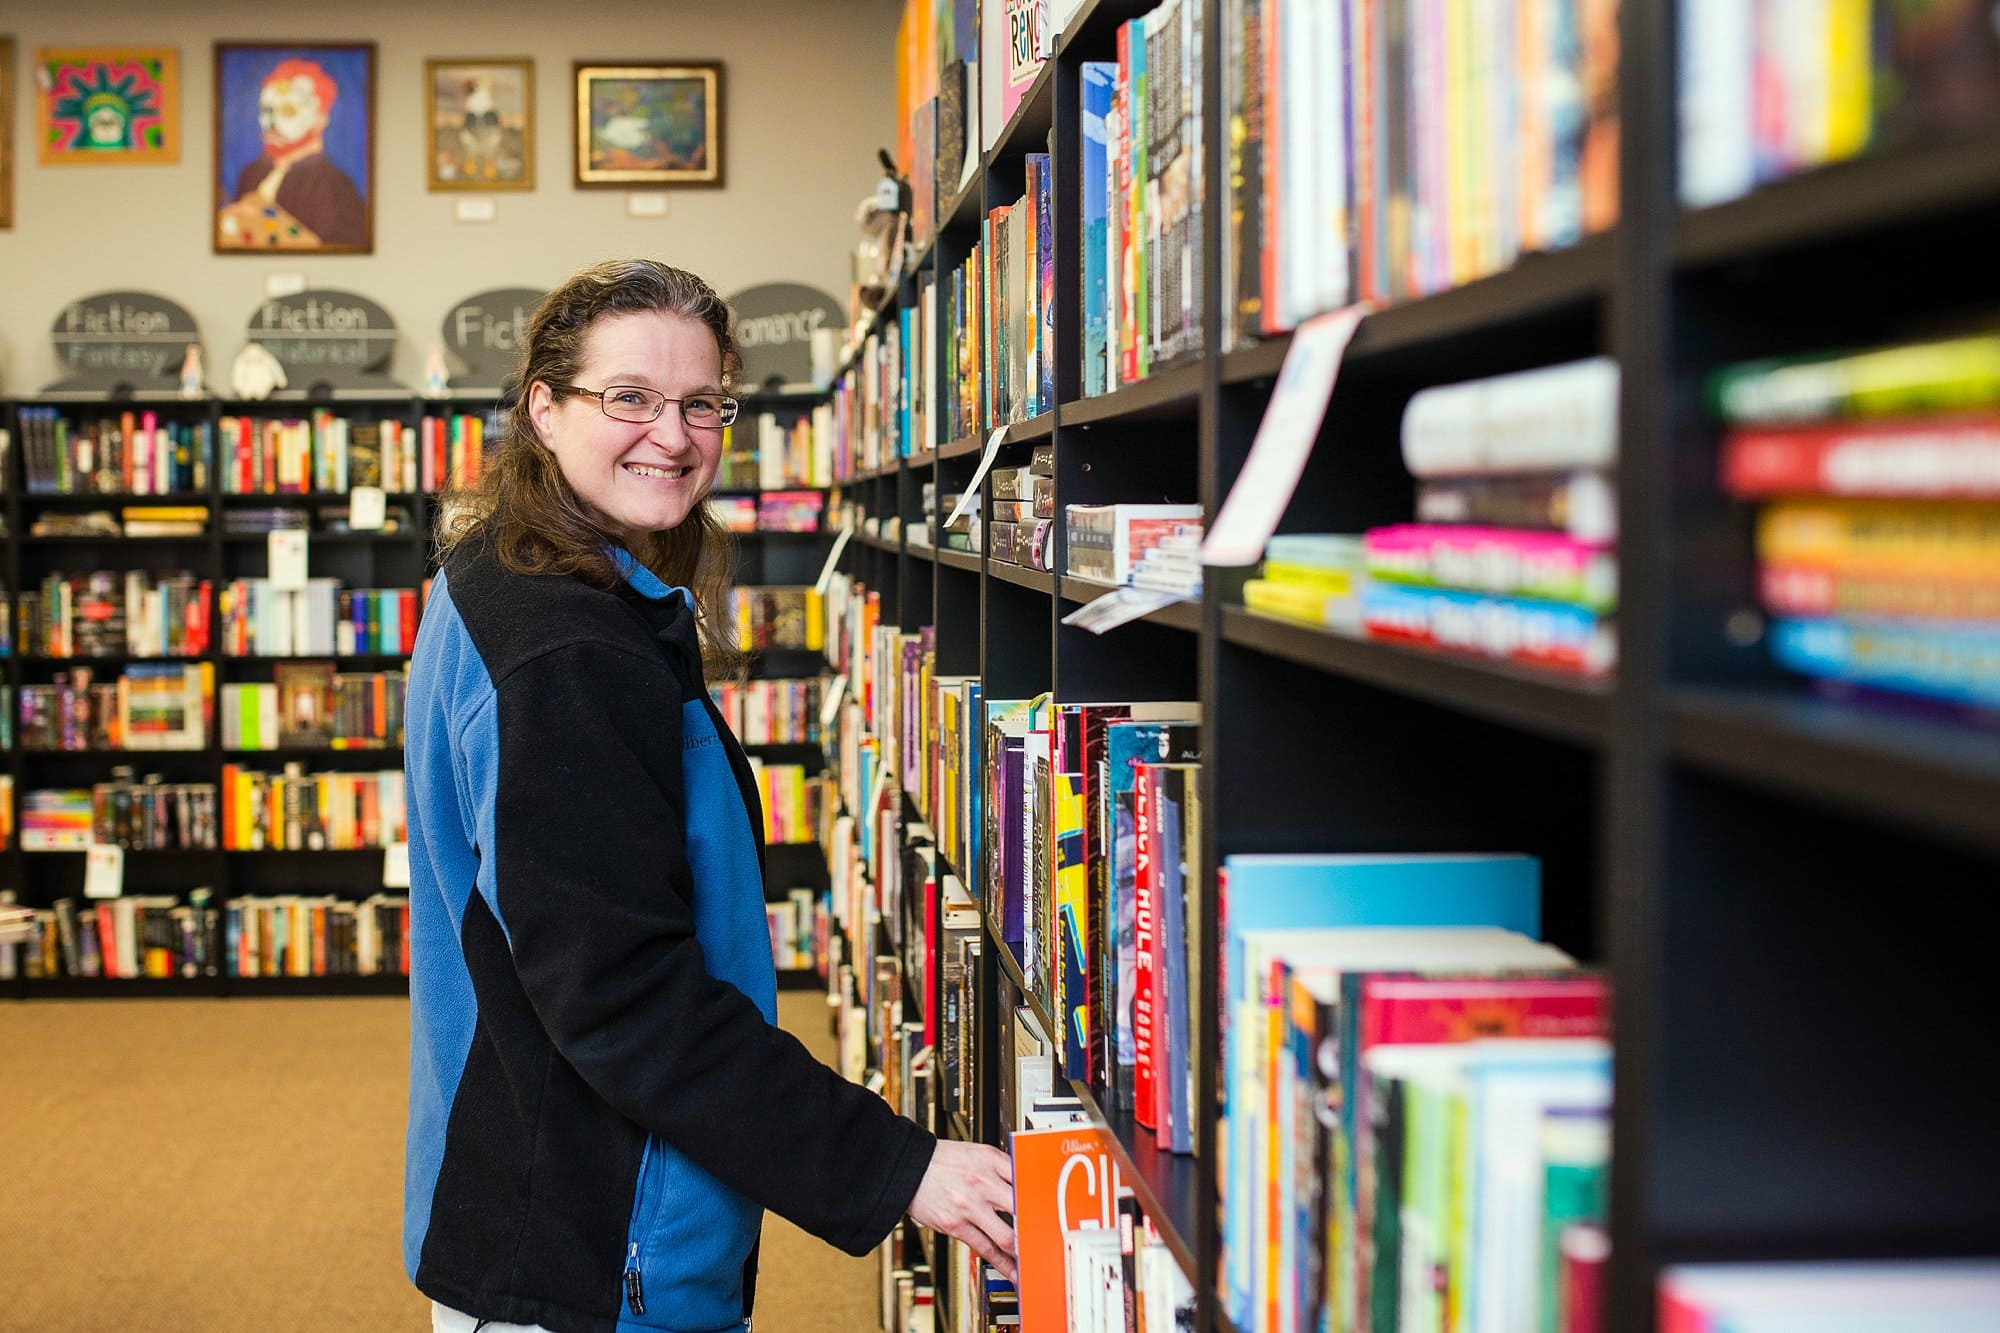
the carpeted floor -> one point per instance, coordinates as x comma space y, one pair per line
237, 1165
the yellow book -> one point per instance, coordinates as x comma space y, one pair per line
1960, 539
1850, 77
1340, 582
1288, 601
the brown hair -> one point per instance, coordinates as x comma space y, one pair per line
526, 507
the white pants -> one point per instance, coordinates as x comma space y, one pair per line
444, 1319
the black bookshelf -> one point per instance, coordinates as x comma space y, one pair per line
1784, 885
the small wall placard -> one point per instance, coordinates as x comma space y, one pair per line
328, 341
775, 323
121, 343
486, 333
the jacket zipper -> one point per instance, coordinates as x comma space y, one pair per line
635, 1291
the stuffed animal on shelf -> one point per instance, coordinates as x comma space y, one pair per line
256, 374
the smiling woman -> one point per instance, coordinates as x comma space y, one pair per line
586, 889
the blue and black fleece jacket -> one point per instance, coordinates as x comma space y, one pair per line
600, 1105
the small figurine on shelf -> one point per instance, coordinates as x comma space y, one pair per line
884, 221
256, 373
191, 386
436, 377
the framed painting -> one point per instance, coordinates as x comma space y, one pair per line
639, 126
480, 117
294, 148
6, 133
107, 104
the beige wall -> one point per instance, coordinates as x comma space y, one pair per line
809, 96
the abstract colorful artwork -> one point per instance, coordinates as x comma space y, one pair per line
647, 125
107, 104
481, 122
295, 148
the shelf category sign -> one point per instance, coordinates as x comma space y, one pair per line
776, 324
117, 342
328, 339
486, 333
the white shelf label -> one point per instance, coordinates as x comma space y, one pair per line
474, 210
103, 870
367, 508
1284, 440
1120, 606
396, 866
832, 559
288, 559
993, 443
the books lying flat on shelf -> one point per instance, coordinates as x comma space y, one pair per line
1877, 535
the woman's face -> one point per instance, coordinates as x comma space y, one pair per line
636, 477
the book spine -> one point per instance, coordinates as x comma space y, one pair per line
1545, 634
1957, 664
1955, 457
1955, 539
1510, 561
1806, 590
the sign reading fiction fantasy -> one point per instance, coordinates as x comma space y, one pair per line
328, 340
775, 324
487, 333
121, 342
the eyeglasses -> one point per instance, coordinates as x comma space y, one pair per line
633, 402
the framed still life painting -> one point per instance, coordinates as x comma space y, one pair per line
107, 104
480, 122
295, 148
649, 125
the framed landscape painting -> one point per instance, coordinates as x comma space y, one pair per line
294, 148
480, 122
107, 104
639, 126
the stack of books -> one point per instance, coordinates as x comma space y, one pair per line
1108, 542
1534, 595
1314, 578
1878, 539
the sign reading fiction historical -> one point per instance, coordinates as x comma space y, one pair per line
775, 323
328, 340
121, 343
486, 334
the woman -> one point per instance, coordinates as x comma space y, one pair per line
600, 1105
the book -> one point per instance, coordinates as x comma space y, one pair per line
1514, 562
1560, 417
1935, 457
1958, 663
1063, 1178
1550, 635
1943, 376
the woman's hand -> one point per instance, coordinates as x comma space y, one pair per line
964, 1192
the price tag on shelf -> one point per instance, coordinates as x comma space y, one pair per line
367, 508
832, 559
1120, 606
396, 866
1284, 440
829, 707
103, 870
288, 559
993, 443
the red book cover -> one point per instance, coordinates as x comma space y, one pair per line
1419, 1010
1945, 457
407, 617
1145, 948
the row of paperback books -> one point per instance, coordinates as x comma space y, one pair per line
1088, 1258
770, 711
137, 813
1014, 297
794, 799
1142, 174
772, 511
798, 926
1463, 136
313, 812
775, 616
258, 618
290, 935
133, 935
327, 452
1769, 88
308, 705
1876, 476
147, 706
1414, 1085
767, 453
115, 613
133, 453
867, 405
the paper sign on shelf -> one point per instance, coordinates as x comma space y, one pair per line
1284, 440
993, 444
288, 559
829, 707
103, 870
833, 558
1118, 607
367, 508
396, 866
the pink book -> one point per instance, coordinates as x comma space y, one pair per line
1514, 562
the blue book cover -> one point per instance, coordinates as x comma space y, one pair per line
1323, 891
1100, 78
1956, 661
905, 392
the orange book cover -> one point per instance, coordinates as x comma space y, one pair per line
1064, 1179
